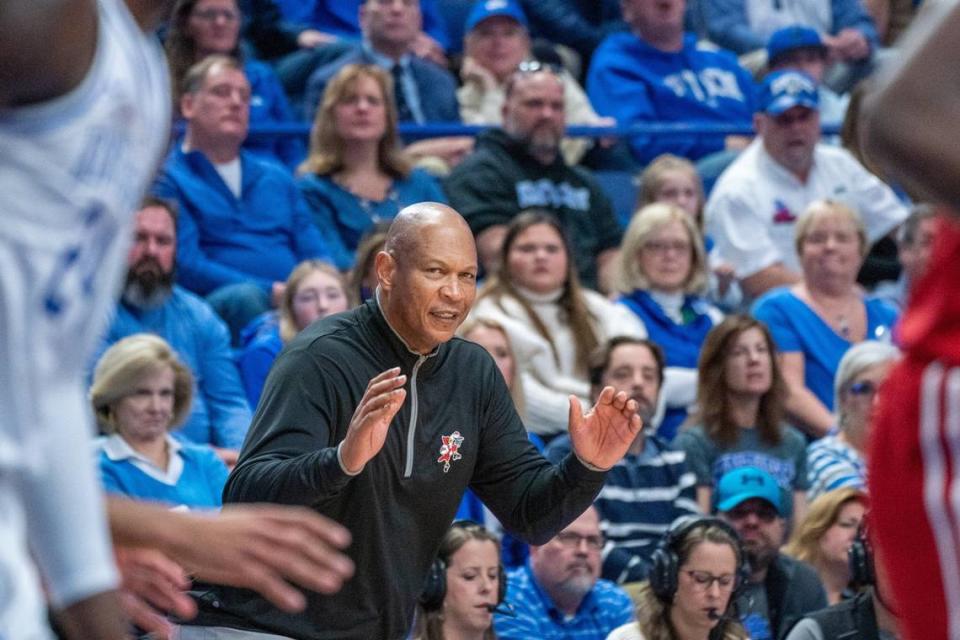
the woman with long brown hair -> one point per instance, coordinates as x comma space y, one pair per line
739, 420
538, 299
355, 174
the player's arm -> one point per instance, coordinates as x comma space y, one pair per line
46, 48
911, 118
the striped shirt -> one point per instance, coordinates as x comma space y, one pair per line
641, 495
602, 610
833, 464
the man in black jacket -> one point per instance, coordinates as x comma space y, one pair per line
520, 167
380, 419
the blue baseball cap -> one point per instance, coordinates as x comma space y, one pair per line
790, 38
745, 483
783, 90
484, 9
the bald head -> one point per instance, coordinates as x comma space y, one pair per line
406, 231
427, 274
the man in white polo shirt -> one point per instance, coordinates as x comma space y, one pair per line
754, 206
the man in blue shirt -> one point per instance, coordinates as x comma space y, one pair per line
650, 486
243, 225
657, 73
557, 594
152, 303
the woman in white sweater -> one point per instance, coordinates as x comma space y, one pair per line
538, 299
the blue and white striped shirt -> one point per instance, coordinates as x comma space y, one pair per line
603, 609
641, 495
833, 464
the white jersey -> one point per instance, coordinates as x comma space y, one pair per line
72, 172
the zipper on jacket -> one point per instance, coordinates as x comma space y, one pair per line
412, 428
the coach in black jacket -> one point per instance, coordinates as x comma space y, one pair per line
379, 418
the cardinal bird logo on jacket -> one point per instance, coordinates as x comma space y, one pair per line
450, 449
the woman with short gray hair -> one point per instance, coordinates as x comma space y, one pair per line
838, 460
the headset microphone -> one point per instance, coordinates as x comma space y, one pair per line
503, 608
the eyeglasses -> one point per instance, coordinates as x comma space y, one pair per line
704, 580
572, 540
536, 66
764, 514
862, 388
211, 15
662, 248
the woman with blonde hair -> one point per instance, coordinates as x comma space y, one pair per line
815, 321
739, 419
355, 174
537, 298
140, 391
823, 538
675, 180
661, 276
314, 290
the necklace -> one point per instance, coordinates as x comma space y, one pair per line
843, 326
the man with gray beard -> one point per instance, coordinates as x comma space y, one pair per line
558, 593
152, 303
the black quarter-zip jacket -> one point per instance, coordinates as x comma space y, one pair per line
399, 507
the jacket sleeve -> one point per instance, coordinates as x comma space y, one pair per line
307, 239
483, 196
560, 21
290, 454
852, 14
222, 390
321, 210
254, 363
533, 498
727, 26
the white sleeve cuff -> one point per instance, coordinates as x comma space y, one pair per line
343, 467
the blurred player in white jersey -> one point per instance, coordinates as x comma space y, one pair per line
84, 120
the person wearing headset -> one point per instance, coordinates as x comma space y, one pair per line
466, 584
869, 615
690, 595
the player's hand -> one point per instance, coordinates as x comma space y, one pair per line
152, 586
603, 435
264, 548
371, 419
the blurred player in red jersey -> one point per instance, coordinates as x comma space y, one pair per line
913, 131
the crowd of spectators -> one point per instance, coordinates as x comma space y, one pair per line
726, 304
